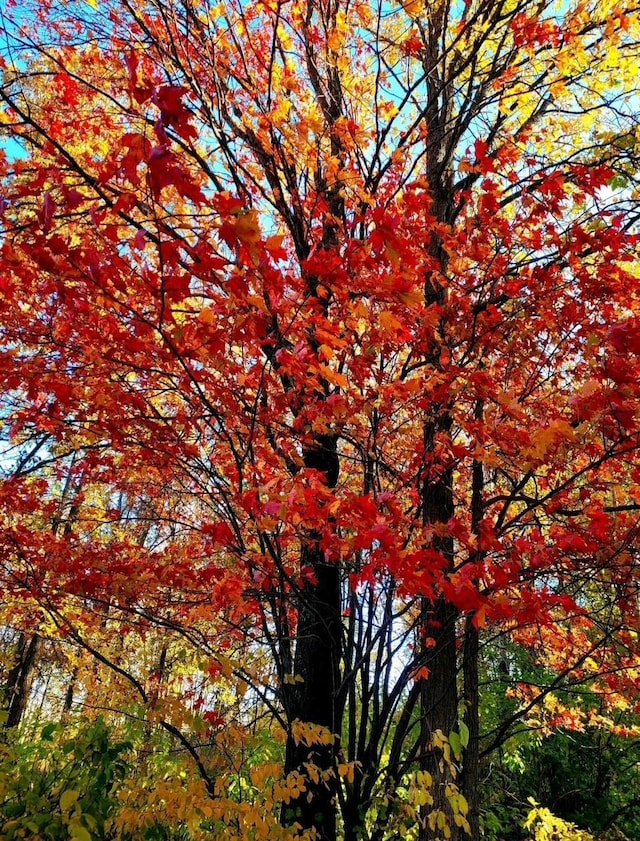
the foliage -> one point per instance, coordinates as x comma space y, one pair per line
62, 785
319, 350
584, 778
546, 827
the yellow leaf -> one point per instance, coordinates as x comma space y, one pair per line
424, 779
79, 833
68, 798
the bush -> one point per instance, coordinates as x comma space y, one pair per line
61, 787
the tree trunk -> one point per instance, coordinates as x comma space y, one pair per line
438, 690
68, 696
439, 707
21, 677
312, 698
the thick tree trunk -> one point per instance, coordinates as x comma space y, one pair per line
438, 690
439, 707
312, 698
439, 693
438, 627
21, 677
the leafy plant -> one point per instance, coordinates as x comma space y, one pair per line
62, 785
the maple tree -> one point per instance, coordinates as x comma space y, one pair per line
319, 359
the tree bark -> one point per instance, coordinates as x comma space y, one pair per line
21, 677
312, 698
438, 689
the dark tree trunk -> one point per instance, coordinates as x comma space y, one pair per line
68, 695
438, 689
21, 677
312, 698
439, 705
438, 620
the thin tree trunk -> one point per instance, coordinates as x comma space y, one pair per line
68, 695
156, 681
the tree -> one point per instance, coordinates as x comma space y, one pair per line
334, 305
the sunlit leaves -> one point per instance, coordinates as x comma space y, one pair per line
277, 276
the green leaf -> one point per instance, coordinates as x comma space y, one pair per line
619, 182
455, 742
464, 734
46, 734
